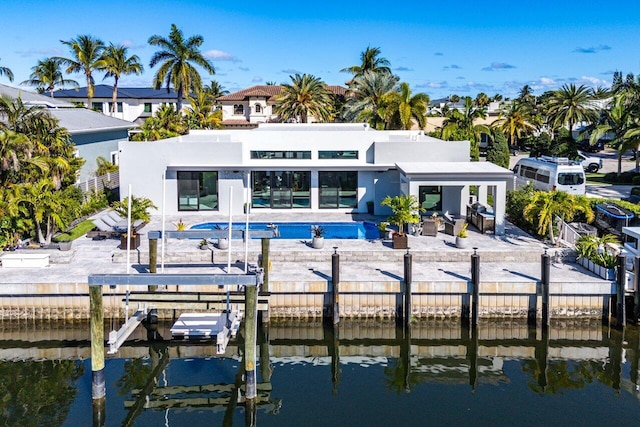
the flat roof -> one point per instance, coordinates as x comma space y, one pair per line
452, 169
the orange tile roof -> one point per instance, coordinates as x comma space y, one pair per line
270, 92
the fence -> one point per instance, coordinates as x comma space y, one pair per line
568, 234
110, 181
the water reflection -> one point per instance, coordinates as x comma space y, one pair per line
432, 368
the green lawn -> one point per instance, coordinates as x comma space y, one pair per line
596, 178
77, 231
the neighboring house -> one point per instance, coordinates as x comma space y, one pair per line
94, 134
308, 168
134, 104
249, 107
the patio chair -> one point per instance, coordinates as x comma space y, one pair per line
103, 230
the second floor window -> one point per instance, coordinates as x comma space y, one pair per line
147, 107
238, 109
258, 108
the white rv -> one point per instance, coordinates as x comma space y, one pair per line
551, 173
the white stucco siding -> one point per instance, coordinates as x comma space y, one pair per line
424, 149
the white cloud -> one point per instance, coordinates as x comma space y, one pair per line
131, 45
256, 79
219, 55
546, 81
594, 81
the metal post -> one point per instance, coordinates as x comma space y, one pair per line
265, 264
408, 260
335, 283
475, 286
250, 331
545, 271
98, 389
620, 282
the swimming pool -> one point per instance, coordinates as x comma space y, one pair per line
302, 230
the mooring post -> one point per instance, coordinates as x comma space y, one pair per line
545, 272
621, 277
153, 261
97, 343
335, 286
636, 291
475, 286
250, 333
408, 260
265, 264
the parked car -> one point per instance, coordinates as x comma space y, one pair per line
591, 148
590, 164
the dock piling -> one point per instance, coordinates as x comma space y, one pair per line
408, 271
98, 389
153, 261
475, 286
250, 331
621, 279
335, 284
636, 292
544, 281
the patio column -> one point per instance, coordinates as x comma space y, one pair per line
464, 199
482, 194
499, 208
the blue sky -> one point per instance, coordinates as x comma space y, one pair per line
439, 48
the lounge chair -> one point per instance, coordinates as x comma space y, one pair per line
103, 230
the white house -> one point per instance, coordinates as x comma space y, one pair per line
134, 104
247, 108
308, 168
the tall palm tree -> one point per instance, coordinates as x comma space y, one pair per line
545, 205
14, 148
5, 71
400, 108
117, 64
514, 121
86, 58
570, 105
365, 97
306, 96
482, 100
176, 58
203, 114
370, 60
46, 75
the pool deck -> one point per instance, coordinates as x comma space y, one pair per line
511, 257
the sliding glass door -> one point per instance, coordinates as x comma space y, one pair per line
281, 189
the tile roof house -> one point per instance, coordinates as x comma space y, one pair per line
248, 107
134, 104
94, 134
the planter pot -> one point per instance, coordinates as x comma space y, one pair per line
64, 246
317, 242
134, 242
204, 247
223, 243
400, 241
462, 242
383, 234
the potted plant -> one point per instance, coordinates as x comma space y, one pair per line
383, 229
180, 225
64, 245
462, 240
318, 236
203, 244
139, 212
405, 210
134, 241
370, 207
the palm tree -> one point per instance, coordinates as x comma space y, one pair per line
215, 90
116, 64
570, 105
86, 58
203, 114
400, 108
306, 96
46, 75
365, 97
460, 124
5, 71
482, 100
370, 60
176, 58
14, 148
545, 205
514, 121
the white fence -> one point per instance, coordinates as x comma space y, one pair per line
110, 180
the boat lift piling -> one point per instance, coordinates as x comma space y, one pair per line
250, 281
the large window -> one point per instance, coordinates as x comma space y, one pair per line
338, 189
281, 189
348, 154
430, 197
96, 106
147, 107
197, 191
258, 109
280, 154
118, 107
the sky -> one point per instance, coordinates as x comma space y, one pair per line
439, 47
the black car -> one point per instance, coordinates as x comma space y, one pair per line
591, 148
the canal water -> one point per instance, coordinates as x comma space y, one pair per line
367, 373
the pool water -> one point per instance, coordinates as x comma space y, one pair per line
302, 230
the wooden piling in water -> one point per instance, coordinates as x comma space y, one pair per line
475, 286
335, 286
636, 292
153, 261
250, 334
408, 272
621, 279
545, 272
98, 389
265, 264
